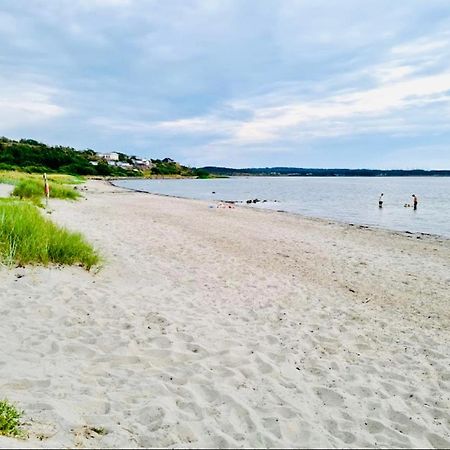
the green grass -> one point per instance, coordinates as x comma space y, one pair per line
27, 237
13, 177
34, 189
10, 420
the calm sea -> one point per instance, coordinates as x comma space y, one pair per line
351, 200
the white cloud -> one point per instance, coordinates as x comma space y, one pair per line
255, 76
23, 103
342, 112
423, 46
393, 100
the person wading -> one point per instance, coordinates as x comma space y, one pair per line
415, 201
380, 201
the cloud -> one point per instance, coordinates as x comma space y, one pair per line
24, 102
396, 98
275, 122
242, 79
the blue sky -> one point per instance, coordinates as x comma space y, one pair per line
238, 83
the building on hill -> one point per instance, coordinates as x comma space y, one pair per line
124, 165
113, 156
142, 164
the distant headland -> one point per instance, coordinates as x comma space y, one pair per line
308, 172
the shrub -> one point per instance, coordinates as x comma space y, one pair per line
201, 173
9, 419
79, 169
27, 237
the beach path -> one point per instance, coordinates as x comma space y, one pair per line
5, 190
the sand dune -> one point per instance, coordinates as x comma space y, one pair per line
225, 328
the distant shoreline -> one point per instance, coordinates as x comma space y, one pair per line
321, 172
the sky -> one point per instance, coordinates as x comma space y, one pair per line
236, 83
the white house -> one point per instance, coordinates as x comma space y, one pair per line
124, 165
113, 156
142, 163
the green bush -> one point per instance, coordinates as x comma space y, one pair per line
201, 173
27, 237
9, 420
4, 166
79, 169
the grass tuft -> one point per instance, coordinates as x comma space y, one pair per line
10, 420
34, 189
27, 237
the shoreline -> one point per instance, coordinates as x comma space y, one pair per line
407, 233
210, 327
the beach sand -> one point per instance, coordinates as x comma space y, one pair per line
5, 190
211, 327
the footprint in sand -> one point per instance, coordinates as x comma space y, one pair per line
192, 409
151, 416
329, 397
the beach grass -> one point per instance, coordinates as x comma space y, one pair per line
9, 420
14, 177
34, 189
26, 237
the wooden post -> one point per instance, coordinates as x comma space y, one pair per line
46, 189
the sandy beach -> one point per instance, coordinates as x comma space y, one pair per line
5, 190
210, 327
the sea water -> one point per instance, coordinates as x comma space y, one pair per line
345, 199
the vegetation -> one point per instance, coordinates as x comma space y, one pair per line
9, 420
31, 186
201, 173
30, 156
14, 177
168, 167
27, 237
34, 190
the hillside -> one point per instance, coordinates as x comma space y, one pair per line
28, 155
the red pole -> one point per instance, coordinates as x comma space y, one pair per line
46, 190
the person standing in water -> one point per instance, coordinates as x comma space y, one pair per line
380, 201
415, 201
